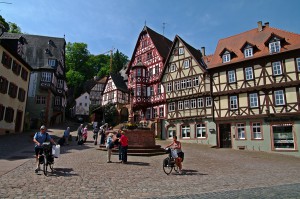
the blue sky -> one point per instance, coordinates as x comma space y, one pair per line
107, 24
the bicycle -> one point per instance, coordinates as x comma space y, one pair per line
169, 163
46, 158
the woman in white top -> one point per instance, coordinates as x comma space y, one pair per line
176, 146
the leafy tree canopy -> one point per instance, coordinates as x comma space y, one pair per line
4, 23
14, 28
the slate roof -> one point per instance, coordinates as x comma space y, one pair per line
35, 48
259, 39
161, 43
119, 82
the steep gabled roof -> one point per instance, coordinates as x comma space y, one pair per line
291, 41
196, 54
161, 43
119, 82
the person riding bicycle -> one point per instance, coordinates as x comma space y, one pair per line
176, 146
39, 138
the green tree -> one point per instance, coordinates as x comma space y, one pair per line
111, 114
75, 80
14, 28
119, 61
4, 23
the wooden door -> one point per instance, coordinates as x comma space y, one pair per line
225, 135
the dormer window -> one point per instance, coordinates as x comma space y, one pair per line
274, 47
226, 57
186, 63
248, 52
172, 68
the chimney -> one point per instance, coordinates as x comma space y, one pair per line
267, 24
203, 51
259, 26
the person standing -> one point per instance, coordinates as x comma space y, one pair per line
95, 136
85, 133
39, 138
79, 132
124, 147
102, 136
117, 143
66, 135
109, 142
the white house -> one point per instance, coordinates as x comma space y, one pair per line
82, 105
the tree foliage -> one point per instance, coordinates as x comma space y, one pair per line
14, 28
4, 23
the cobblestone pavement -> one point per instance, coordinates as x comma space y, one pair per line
82, 172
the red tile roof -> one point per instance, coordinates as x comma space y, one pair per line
256, 38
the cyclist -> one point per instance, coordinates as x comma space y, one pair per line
176, 146
39, 138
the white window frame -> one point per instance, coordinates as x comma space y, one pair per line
177, 85
226, 57
183, 83
172, 68
185, 131
180, 105
200, 102
253, 100
186, 63
193, 103
201, 130
241, 133
169, 87
233, 102
189, 83
181, 51
46, 77
249, 73
196, 81
171, 106
248, 52
231, 76
186, 104
277, 69
256, 131
208, 101
274, 47
52, 62
279, 97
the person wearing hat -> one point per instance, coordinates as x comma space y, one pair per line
39, 138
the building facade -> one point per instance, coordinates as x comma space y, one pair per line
14, 81
188, 95
255, 87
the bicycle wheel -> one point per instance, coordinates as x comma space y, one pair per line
45, 166
167, 167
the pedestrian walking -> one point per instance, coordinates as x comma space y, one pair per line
66, 135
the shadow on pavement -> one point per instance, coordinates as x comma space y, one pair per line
138, 163
190, 172
63, 172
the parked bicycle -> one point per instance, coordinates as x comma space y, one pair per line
47, 159
169, 163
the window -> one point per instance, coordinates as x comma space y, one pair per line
181, 51
154, 112
200, 131
21, 95
150, 72
171, 132
161, 112
185, 132
249, 73
57, 101
156, 70
183, 84
196, 81
186, 63
148, 113
24, 74
233, 102
139, 59
12, 91
177, 85
283, 136
256, 130
180, 105
158, 89
2, 109
248, 52
186, 104
208, 101
6, 60
40, 99
274, 47
52, 62
3, 85
276, 66
138, 91
200, 102
226, 58
279, 97
298, 63
9, 114
231, 76
240, 131
189, 83
151, 91
149, 55
60, 83
144, 43
171, 106
253, 100
193, 103
46, 77
138, 72
169, 87
172, 68
16, 68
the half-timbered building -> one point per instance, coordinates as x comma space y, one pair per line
144, 71
255, 81
188, 96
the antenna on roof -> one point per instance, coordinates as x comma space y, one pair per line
145, 23
164, 25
